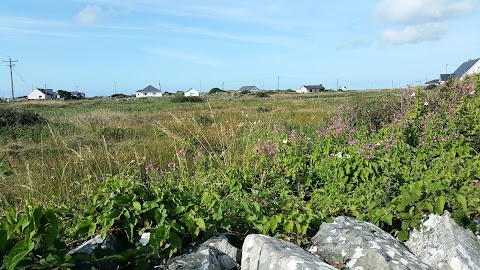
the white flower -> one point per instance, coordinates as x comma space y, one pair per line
425, 103
287, 180
413, 94
285, 141
340, 154
473, 92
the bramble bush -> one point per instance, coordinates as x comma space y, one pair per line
391, 170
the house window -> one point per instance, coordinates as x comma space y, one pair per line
144, 94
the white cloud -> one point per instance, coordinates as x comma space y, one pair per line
413, 34
88, 16
421, 11
419, 20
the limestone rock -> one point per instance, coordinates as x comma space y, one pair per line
445, 245
361, 245
261, 252
109, 242
213, 254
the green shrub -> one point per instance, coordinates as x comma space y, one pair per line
16, 117
262, 94
184, 99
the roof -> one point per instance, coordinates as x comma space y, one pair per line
46, 91
248, 88
309, 87
149, 89
464, 68
436, 81
192, 89
445, 77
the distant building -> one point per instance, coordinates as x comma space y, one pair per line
192, 93
248, 88
77, 95
311, 89
42, 94
148, 91
471, 67
468, 68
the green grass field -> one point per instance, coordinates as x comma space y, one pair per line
92, 139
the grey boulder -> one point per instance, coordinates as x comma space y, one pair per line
214, 254
445, 245
261, 252
362, 245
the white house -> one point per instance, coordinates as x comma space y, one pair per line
468, 68
311, 89
192, 93
42, 94
148, 91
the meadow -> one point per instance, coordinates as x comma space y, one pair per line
278, 165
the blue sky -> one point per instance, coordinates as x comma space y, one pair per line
94, 45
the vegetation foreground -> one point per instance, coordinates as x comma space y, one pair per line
276, 166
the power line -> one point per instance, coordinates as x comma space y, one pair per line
11, 75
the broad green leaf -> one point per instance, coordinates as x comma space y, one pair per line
137, 206
50, 235
463, 201
429, 207
19, 251
148, 206
435, 186
175, 240
440, 205
288, 226
201, 223
179, 209
402, 235
257, 206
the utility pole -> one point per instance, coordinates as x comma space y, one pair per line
115, 89
392, 84
11, 75
337, 83
278, 83
223, 86
159, 85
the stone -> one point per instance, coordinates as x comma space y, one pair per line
442, 243
261, 252
109, 242
215, 253
362, 246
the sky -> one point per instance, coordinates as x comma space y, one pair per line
102, 47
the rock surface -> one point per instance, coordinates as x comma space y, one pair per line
361, 246
444, 244
110, 242
214, 254
261, 252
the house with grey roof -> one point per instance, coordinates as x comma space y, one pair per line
192, 92
471, 67
468, 68
148, 91
249, 88
42, 94
311, 89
